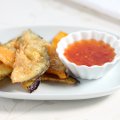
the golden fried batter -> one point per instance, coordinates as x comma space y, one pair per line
32, 58
56, 66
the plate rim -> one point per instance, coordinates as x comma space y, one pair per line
77, 96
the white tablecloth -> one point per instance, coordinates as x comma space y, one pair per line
14, 13
107, 7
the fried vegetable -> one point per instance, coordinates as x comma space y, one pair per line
57, 38
4, 70
7, 56
56, 66
28, 57
31, 85
13, 44
52, 78
32, 58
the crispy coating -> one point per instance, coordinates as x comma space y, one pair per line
56, 66
57, 38
31, 85
32, 58
54, 79
7, 56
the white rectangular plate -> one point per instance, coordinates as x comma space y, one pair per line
86, 89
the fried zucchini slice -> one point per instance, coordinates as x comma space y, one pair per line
32, 58
54, 79
56, 66
57, 38
31, 85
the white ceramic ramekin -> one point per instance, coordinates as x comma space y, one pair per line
83, 71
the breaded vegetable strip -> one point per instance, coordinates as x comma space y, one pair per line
56, 66
7, 56
53, 79
57, 38
31, 85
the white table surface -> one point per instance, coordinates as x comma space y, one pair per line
14, 13
107, 7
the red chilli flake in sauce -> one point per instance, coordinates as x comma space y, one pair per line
89, 52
